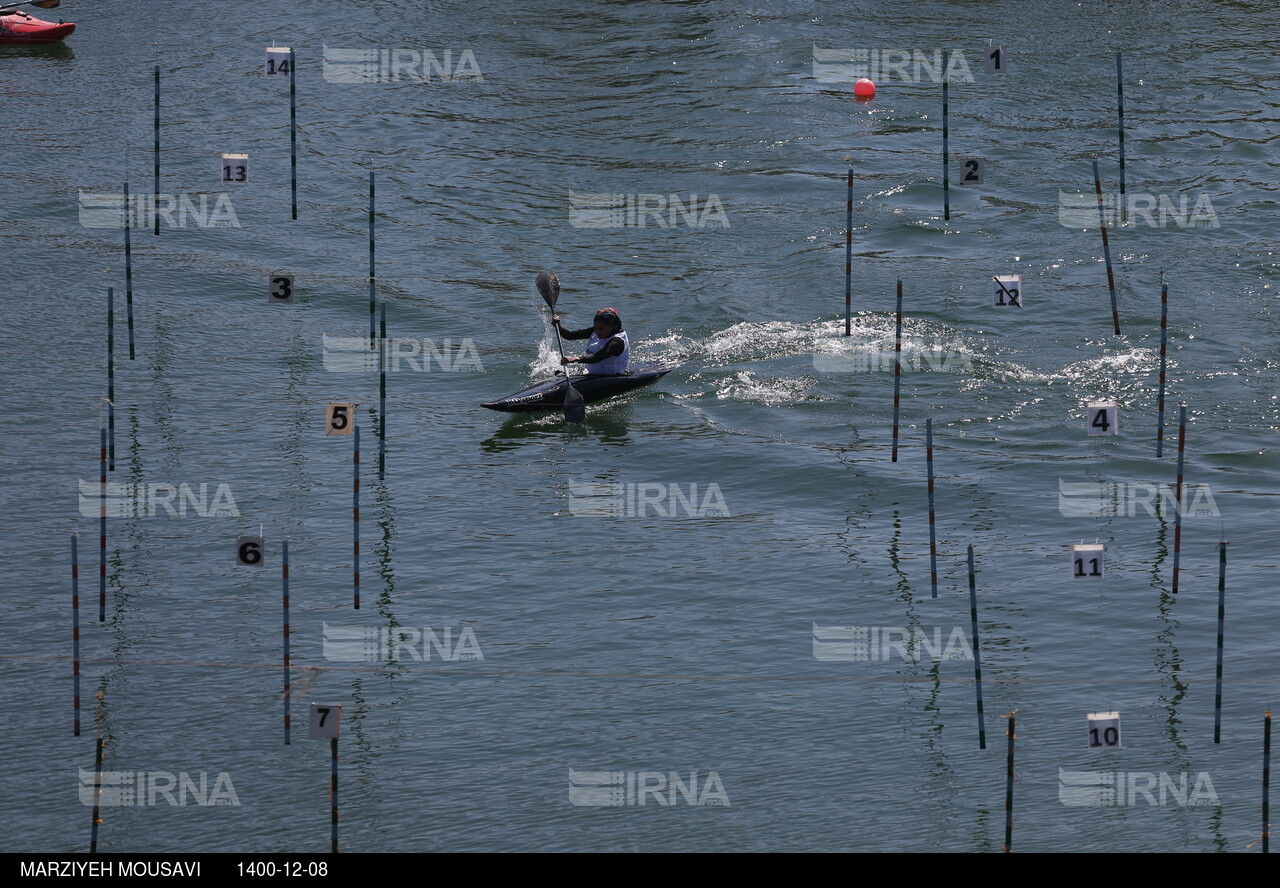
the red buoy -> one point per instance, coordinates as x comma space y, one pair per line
864, 88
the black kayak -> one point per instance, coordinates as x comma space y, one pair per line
549, 394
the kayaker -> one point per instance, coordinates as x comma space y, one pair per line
607, 348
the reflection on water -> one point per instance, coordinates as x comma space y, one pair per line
604, 425
41, 51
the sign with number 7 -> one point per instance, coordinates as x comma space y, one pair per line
325, 720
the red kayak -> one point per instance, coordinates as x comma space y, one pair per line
20, 28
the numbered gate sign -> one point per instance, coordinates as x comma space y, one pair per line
250, 551
1104, 729
281, 290
1007, 291
973, 170
339, 419
235, 168
996, 61
279, 61
1086, 560
325, 720
1103, 419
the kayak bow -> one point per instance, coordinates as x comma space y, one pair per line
22, 29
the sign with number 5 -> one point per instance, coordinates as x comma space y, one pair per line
339, 419
324, 722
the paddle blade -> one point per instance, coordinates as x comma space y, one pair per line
548, 288
47, 4
575, 410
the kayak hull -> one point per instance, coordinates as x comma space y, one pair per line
24, 30
549, 394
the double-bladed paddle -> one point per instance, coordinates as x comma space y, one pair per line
42, 4
574, 408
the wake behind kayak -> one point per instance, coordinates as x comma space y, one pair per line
549, 394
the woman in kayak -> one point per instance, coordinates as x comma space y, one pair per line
607, 348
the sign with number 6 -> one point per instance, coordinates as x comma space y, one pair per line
339, 419
325, 720
249, 551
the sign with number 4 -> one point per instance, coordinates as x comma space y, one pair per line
1086, 560
281, 291
249, 551
1103, 419
325, 720
973, 170
339, 418
1007, 291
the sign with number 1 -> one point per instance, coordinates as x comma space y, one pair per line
996, 61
